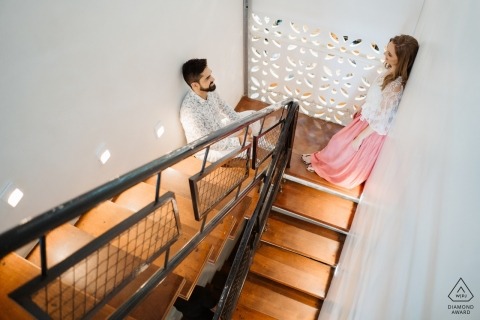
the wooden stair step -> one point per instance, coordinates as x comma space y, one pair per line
292, 270
240, 212
189, 166
67, 239
303, 238
137, 197
107, 215
298, 169
192, 267
279, 303
245, 313
316, 205
172, 180
219, 236
227, 229
16, 271
102, 218
61, 243
254, 195
140, 195
143, 193
157, 304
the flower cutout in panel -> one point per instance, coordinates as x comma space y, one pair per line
326, 73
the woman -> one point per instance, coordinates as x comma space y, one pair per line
349, 157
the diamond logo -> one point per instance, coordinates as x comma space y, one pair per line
460, 293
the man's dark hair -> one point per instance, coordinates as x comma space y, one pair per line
192, 70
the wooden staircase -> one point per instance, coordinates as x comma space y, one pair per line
303, 239
63, 241
291, 270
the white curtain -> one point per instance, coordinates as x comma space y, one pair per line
416, 230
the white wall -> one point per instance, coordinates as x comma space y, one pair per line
78, 74
416, 232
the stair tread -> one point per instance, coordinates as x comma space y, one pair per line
220, 235
174, 180
102, 218
191, 268
137, 197
16, 271
274, 303
61, 243
141, 194
103, 266
158, 302
239, 212
303, 238
293, 270
316, 205
298, 169
246, 313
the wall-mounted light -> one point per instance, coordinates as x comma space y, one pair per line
159, 130
103, 154
11, 194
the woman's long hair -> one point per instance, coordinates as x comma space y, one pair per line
406, 48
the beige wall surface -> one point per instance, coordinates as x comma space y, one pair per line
76, 75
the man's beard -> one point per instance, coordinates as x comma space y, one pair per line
210, 88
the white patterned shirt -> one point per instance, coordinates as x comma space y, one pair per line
201, 117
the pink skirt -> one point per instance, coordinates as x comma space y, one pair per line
340, 164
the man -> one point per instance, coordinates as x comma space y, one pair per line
203, 111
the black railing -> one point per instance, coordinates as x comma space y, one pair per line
83, 282
255, 226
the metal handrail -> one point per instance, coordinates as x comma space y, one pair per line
255, 226
23, 234
39, 226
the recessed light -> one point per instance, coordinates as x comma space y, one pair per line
159, 130
12, 195
103, 154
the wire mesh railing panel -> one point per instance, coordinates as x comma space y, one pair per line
89, 277
213, 184
265, 144
236, 289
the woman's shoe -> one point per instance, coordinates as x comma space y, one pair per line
306, 158
310, 168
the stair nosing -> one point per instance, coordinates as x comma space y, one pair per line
309, 220
300, 253
320, 187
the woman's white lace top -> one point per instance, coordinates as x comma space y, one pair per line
381, 106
